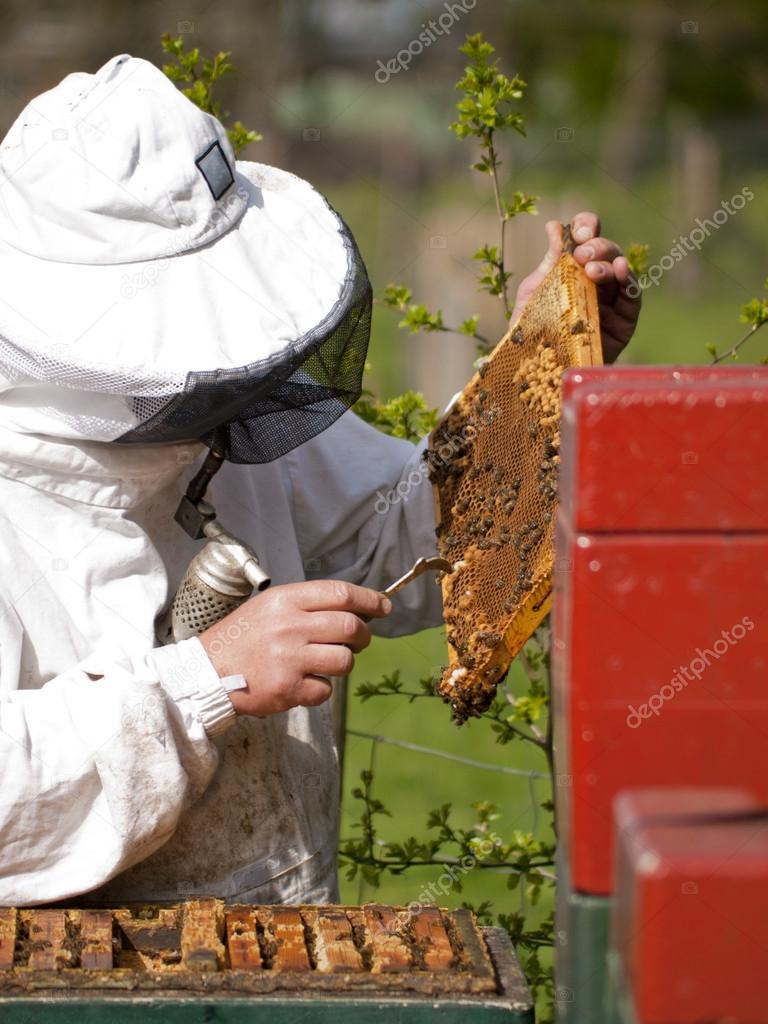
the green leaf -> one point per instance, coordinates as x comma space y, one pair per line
240, 136
520, 203
371, 874
407, 416
487, 254
755, 312
439, 818
176, 74
198, 93
172, 44
485, 165
637, 258
419, 318
397, 296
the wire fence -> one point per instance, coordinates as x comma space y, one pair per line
532, 811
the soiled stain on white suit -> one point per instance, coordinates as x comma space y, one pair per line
124, 774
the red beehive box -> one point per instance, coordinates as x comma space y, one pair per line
691, 908
660, 616
659, 449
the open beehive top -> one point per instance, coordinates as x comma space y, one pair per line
494, 461
207, 945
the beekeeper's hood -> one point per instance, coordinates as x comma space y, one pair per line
153, 289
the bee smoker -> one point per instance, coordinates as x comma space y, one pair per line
221, 576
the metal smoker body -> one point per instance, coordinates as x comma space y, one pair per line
221, 576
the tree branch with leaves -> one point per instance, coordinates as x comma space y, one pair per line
754, 313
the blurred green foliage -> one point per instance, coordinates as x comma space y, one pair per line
197, 76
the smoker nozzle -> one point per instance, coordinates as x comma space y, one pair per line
229, 558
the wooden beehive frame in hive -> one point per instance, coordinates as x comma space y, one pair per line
493, 462
207, 945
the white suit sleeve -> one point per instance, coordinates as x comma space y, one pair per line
95, 772
363, 511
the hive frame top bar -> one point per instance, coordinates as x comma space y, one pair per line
205, 945
511, 1003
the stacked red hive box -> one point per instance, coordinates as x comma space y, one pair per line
661, 579
689, 922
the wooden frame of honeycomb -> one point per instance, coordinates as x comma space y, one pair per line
493, 462
207, 945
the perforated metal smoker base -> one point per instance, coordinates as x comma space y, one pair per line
254, 963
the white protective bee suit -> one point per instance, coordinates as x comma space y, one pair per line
124, 773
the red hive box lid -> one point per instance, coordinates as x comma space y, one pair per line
691, 905
660, 448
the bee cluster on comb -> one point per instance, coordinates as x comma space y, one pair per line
494, 461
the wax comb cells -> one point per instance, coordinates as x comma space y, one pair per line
494, 461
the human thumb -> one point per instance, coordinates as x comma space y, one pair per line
554, 230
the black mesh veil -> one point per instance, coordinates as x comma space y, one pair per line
258, 412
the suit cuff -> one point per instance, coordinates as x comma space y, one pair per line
186, 671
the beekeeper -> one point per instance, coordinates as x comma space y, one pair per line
157, 296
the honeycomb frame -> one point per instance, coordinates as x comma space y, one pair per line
493, 461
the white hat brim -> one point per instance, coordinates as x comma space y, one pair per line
140, 329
